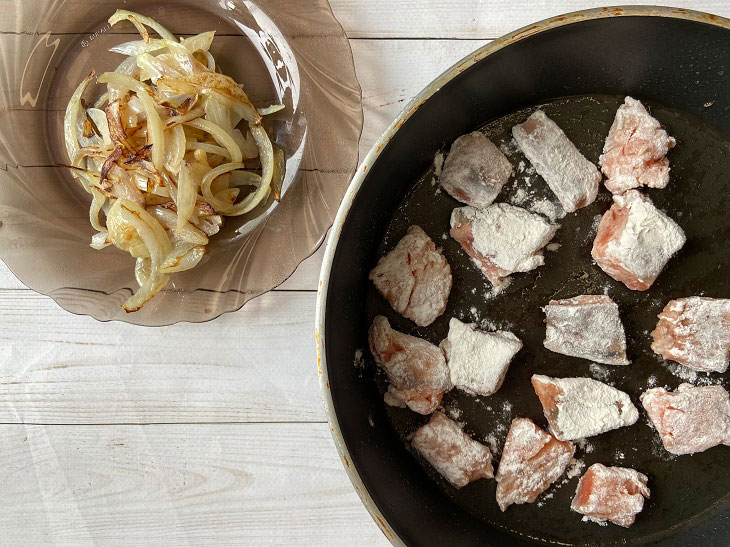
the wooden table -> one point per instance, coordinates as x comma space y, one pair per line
198, 442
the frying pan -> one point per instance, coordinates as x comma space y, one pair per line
578, 67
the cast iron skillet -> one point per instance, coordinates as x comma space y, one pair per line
677, 62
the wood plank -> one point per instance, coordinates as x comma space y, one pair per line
455, 19
255, 365
469, 19
274, 484
8, 280
391, 72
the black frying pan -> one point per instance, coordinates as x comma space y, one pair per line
578, 68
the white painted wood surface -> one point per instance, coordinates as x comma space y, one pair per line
216, 435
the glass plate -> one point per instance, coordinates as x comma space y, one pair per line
294, 53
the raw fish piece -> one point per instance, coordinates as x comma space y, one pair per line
695, 332
414, 278
531, 461
611, 493
502, 239
416, 369
475, 170
458, 457
635, 240
572, 178
582, 407
692, 419
478, 360
635, 150
586, 326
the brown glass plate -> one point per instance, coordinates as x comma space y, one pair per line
294, 53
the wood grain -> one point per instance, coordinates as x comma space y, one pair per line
256, 365
274, 484
469, 19
450, 19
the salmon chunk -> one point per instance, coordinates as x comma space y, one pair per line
635, 240
692, 419
695, 332
475, 170
582, 407
414, 278
586, 326
478, 360
456, 456
634, 154
531, 461
615, 494
572, 178
416, 369
502, 239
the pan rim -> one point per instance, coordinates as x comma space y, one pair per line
371, 157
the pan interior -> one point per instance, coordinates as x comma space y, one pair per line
684, 488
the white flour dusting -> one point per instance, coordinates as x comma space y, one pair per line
496, 290
593, 230
548, 209
493, 443
478, 360
586, 407
695, 332
458, 457
416, 369
599, 522
358, 361
691, 419
519, 197
691, 376
509, 148
647, 242
438, 163
598, 372
576, 468
454, 413
475, 171
414, 277
553, 246
584, 445
635, 149
510, 236
586, 326
530, 463
572, 178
